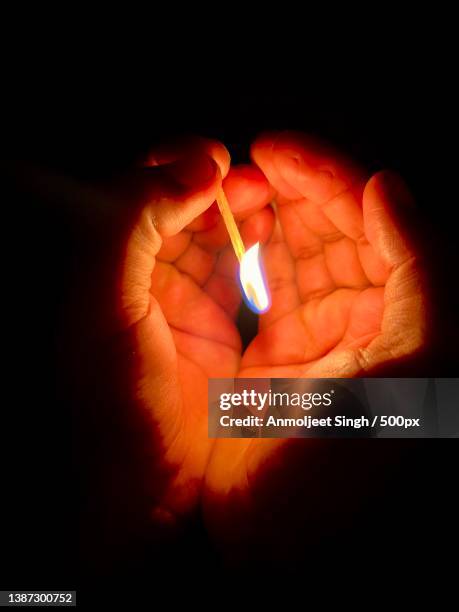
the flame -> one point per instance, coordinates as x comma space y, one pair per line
254, 287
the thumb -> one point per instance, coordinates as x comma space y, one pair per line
390, 224
173, 196
389, 217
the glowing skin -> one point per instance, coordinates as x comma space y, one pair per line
347, 297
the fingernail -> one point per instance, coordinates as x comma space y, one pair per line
192, 171
395, 189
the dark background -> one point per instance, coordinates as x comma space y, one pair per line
92, 127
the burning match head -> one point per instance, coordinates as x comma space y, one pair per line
253, 282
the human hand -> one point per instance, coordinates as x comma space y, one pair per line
346, 282
152, 320
348, 299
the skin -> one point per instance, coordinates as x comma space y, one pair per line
347, 300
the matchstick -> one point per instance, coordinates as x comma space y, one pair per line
230, 223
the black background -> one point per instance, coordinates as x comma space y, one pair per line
92, 124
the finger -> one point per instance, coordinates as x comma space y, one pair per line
206, 221
174, 246
199, 263
372, 246
257, 227
388, 210
174, 195
262, 153
376, 269
322, 263
315, 170
187, 147
313, 277
327, 183
324, 223
386, 204
247, 190
222, 286
184, 190
402, 304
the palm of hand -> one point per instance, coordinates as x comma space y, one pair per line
188, 284
328, 296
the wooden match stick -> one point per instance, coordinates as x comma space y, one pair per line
230, 223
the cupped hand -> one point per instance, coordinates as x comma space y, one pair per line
346, 284
348, 299
180, 291
152, 320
